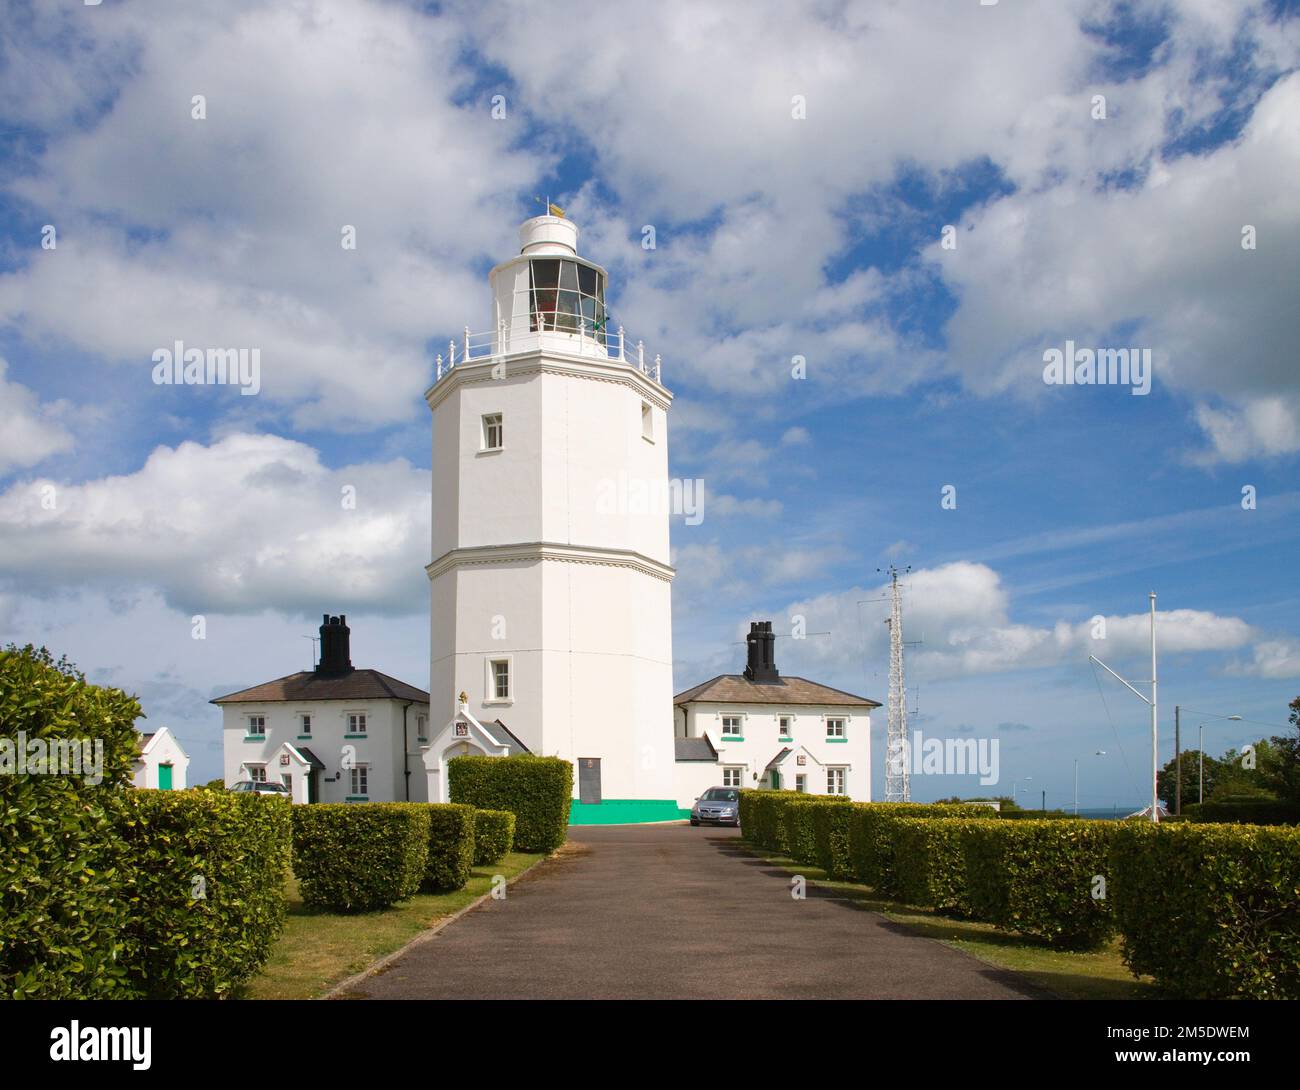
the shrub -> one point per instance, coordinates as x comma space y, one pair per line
929, 862
494, 835
762, 815
451, 846
1210, 911
206, 889
354, 857
62, 910
1037, 877
831, 838
871, 834
796, 816
1244, 810
537, 790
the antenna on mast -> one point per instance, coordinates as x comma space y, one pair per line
897, 783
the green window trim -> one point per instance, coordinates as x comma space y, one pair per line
733, 737
837, 739
357, 798
254, 737
305, 737
356, 736
785, 738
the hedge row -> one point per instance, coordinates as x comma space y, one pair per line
1210, 911
1248, 811
206, 897
356, 857
494, 835
537, 790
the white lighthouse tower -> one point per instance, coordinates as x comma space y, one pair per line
550, 581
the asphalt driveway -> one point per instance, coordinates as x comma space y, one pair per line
672, 912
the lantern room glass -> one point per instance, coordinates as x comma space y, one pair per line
567, 296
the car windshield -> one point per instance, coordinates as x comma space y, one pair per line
720, 794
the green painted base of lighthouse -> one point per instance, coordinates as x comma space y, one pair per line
625, 811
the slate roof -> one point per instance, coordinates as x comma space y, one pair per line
738, 689
516, 746
312, 760
309, 685
694, 749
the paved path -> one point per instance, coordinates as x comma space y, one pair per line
667, 911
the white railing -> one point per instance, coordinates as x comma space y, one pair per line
585, 340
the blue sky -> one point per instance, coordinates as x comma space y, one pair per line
776, 237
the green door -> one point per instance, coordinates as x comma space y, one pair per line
164, 777
776, 780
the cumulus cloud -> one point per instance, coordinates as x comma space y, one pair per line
959, 614
248, 523
226, 232
32, 431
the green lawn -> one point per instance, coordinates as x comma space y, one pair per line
318, 949
1097, 974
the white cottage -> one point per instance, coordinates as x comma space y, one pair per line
332, 734
758, 729
161, 763
550, 579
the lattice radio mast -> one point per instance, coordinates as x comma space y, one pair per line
897, 785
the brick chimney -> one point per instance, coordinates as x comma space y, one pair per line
760, 648
335, 649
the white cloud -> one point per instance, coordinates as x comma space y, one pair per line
226, 231
248, 523
959, 615
1275, 658
32, 431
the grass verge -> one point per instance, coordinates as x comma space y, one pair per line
318, 949
1093, 974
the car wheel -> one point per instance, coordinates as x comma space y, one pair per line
694, 821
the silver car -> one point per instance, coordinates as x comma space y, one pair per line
717, 806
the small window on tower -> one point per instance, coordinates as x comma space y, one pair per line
647, 422
499, 679
493, 432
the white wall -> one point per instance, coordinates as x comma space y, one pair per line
381, 749
762, 743
164, 750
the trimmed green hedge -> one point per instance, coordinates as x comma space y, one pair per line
762, 815
62, 908
929, 862
206, 893
831, 838
451, 845
1210, 911
355, 857
1244, 811
1039, 878
537, 790
494, 835
872, 835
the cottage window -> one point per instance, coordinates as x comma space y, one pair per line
801, 782
493, 432
304, 724
784, 730
731, 725
731, 777
257, 724
835, 781
257, 773
360, 781
835, 728
356, 722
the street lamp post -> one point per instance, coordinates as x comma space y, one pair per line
1099, 753
1200, 756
